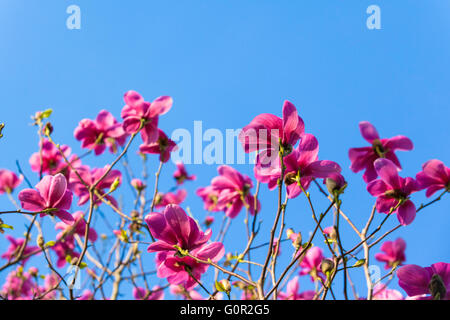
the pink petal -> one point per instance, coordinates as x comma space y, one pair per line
388, 172
406, 213
414, 279
31, 200
399, 143
377, 187
368, 131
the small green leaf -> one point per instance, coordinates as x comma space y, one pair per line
359, 263
6, 226
83, 265
47, 113
219, 287
50, 243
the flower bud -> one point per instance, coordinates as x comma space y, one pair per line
40, 241
327, 266
297, 243
289, 233
330, 232
437, 287
209, 220
225, 285
335, 183
138, 184
33, 271
48, 129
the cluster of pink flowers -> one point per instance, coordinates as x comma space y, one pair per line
287, 157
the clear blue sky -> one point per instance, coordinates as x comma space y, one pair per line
224, 62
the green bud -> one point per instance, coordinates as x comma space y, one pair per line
327, 266
437, 287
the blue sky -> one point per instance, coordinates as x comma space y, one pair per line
224, 62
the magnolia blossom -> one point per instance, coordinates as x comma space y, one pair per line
393, 191
302, 166
176, 231
15, 247
86, 295
426, 283
363, 158
190, 294
233, 191
311, 262
381, 292
162, 146
157, 293
292, 292
105, 131
19, 285
266, 130
90, 177
138, 112
9, 181
52, 160
78, 227
394, 253
165, 199
434, 177
210, 198
181, 174
64, 248
51, 197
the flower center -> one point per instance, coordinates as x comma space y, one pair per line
378, 148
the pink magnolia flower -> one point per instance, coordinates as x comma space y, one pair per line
19, 285
265, 131
51, 197
52, 160
105, 131
140, 293
192, 294
210, 198
90, 177
435, 176
51, 281
363, 158
137, 111
381, 292
165, 199
302, 166
426, 283
8, 181
181, 174
394, 253
15, 247
86, 295
174, 228
393, 191
63, 248
78, 227
233, 191
292, 293
162, 146
310, 264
